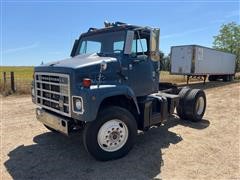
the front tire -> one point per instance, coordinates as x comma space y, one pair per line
112, 135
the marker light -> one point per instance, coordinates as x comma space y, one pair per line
86, 82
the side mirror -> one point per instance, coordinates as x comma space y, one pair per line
74, 49
128, 42
103, 66
154, 45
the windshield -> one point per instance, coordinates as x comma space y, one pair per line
102, 43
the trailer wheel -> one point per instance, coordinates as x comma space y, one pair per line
227, 78
180, 108
212, 78
111, 135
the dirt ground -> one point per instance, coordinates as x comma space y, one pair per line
179, 150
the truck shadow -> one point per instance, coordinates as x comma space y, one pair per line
195, 125
54, 156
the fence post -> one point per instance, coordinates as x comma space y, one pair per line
4, 80
12, 82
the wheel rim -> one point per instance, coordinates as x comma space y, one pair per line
200, 105
112, 135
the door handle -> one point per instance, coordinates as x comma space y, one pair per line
130, 67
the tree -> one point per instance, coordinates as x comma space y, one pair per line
164, 62
228, 40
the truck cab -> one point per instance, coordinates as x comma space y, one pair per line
109, 88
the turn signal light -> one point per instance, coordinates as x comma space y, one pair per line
86, 82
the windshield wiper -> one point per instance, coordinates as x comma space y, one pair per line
108, 54
101, 54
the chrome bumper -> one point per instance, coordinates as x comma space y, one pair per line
56, 122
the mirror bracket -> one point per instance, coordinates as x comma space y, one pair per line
154, 44
128, 43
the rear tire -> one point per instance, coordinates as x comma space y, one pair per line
231, 78
195, 105
192, 105
180, 108
112, 135
226, 78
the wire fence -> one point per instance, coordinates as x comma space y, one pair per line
15, 82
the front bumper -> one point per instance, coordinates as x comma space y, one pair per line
53, 121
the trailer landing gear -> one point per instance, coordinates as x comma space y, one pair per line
200, 77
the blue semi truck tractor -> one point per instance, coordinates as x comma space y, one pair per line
110, 89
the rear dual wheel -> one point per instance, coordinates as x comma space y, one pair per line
192, 104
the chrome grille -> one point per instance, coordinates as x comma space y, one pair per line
53, 92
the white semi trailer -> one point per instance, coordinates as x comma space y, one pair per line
199, 61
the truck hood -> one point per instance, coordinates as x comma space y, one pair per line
80, 61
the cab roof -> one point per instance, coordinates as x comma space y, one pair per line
112, 27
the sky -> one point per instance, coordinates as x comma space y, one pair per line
44, 30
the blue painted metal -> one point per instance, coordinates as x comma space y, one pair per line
123, 76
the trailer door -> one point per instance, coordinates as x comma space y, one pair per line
181, 59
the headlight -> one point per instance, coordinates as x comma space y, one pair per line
78, 104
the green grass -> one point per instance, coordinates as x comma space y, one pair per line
26, 73
20, 72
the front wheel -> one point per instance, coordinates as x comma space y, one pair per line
111, 135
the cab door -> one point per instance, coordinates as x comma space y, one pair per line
141, 71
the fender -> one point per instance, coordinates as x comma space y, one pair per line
94, 96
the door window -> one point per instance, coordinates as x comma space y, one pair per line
139, 46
